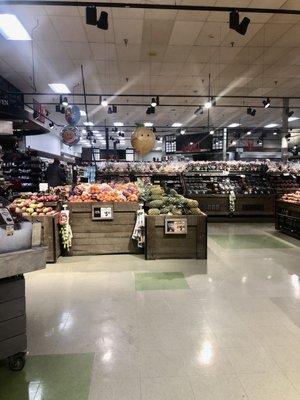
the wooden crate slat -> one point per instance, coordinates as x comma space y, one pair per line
103, 229
119, 219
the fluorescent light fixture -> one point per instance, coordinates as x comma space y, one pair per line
82, 113
88, 123
95, 131
148, 124
291, 119
12, 29
271, 126
118, 124
176, 125
211, 132
249, 133
234, 125
208, 104
59, 88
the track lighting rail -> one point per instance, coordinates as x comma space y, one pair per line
179, 7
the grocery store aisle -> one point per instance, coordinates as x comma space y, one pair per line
120, 327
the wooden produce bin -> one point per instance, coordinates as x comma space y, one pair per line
247, 205
50, 236
287, 218
213, 205
160, 245
103, 236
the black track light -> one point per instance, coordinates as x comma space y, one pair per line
102, 22
65, 102
154, 129
154, 101
198, 110
57, 108
251, 111
114, 109
289, 113
51, 125
91, 15
234, 23
62, 110
267, 102
288, 136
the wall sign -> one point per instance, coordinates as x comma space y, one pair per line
175, 226
102, 212
70, 135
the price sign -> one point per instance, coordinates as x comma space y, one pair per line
102, 212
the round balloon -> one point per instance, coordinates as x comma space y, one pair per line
72, 115
70, 135
143, 140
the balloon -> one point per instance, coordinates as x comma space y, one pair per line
70, 135
72, 115
143, 140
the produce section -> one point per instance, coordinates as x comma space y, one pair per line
288, 214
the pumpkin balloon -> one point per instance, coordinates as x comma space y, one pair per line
143, 140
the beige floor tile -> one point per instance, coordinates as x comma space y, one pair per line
166, 389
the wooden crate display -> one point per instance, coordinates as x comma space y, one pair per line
160, 245
50, 236
255, 205
213, 204
104, 236
12, 316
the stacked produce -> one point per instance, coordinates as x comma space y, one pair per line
232, 166
142, 167
40, 197
292, 197
105, 192
31, 208
161, 202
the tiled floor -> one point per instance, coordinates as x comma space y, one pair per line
122, 328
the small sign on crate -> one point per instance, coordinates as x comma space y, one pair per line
102, 212
175, 226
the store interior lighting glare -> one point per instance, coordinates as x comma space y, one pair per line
12, 29
59, 88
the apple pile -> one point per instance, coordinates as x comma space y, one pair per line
31, 208
42, 198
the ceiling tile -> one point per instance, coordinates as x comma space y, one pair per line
78, 50
128, 53
104, 51
185, 34
157, 31
131, 30
177, 53
70, 29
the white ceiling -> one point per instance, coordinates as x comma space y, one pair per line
168, 52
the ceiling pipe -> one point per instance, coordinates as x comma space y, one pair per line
177, 7
217, 97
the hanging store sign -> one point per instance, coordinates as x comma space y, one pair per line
175, 226
70, 135
102, 212
39, 112
72, 115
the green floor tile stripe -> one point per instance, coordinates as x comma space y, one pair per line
160, 281
48, 377
249, 242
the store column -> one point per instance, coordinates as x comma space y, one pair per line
285, 129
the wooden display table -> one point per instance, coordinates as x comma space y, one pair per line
287, 218
255, 205
193, 244
13, 340
102, 236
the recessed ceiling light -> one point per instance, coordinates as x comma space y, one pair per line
82, 113
271, 125
12, 29
118, 124
291, 119
176, 125
59, 88
234, 125
148, 124
88, 123
249, 133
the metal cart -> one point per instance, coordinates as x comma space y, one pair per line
13, 340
